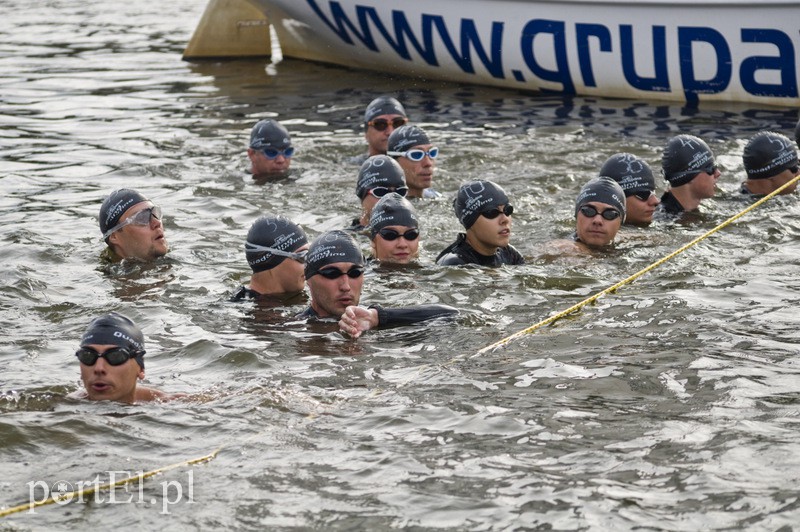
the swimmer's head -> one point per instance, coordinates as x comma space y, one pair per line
768, 154
631, 172
684, 157
602, 190
379, 171
392, 209
115, 205
269, 134
115, 329
383, 105
277, 233
330, 248
406, 137
476, 197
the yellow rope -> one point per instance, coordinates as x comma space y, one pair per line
109, 485
633, 277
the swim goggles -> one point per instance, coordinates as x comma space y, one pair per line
272, 153
140, 218
608, 214
415, 155
645, 195
391, 234
116, 356
299, 256
380, 192
381, 123
334, 273
508, 210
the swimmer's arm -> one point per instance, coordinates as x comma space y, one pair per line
356, 320
145, 394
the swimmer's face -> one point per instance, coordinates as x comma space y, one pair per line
262, 165
400, 250
640, 211
490, 232
289, 276
330, 297
596, 231
143, 242
378, 138
104, 382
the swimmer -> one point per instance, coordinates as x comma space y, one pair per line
275, 250
334, 273
270, 150
383, 115
131, 227
394, 230
379, 175
483, 208
770, 161
636, 179
412, 148
111, 358
689, 168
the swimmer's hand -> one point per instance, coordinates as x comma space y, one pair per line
356, 320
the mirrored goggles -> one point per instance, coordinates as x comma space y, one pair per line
380, 192
381, 124
116, 356
643, 195
299, 256
710, 169
272, 153
391, 234
608, 214
415, 155
508, 210
140, 218
334, 273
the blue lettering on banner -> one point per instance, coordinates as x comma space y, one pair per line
583, 32
785, 63
556, 29
659, 83
467, 50
469, 41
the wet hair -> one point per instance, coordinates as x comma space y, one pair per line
684, 157
329, 248
379, 171
631, 172
269, 134
115, 205
392, 209
383, 105
475, 197
768, 154
602, 190
272, 231
406, 137
115, 329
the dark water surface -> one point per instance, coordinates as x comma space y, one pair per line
672, 404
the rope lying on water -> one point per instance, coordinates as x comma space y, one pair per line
633, 277
89, 490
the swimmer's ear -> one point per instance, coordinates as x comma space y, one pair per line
141, 375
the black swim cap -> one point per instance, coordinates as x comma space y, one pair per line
276, 232
383, 105
406, 137
476, 197
631, 172
328, 248
768, 154
379, 171
392, 209
684, 157
797, 133
269, 134
115, 205
602, 190
115, 329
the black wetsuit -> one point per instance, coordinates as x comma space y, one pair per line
390, 317
460, 252
670, 204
